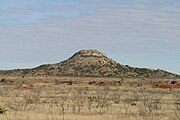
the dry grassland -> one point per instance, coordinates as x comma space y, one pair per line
68, 98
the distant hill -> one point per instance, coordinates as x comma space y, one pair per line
91, 63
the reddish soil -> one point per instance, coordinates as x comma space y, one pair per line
168, 85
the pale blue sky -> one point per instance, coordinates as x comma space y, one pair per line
142, 33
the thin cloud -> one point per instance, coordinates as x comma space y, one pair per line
122, 29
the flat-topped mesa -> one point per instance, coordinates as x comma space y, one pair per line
90, 53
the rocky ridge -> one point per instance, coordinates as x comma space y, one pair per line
89, 63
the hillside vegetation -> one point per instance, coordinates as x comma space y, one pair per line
89, 63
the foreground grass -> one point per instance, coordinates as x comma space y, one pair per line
47, 99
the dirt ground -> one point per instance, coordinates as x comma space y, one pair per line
73, 98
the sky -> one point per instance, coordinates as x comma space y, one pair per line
140, 33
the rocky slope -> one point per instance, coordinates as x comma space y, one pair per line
89, 63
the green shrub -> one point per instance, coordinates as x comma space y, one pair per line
3, 80
2, 109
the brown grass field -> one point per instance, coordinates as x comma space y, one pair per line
73, 98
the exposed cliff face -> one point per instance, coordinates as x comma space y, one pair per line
90, 63
89, 53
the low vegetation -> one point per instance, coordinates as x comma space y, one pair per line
70, 98
2, 109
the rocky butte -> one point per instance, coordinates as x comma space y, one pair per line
90, 63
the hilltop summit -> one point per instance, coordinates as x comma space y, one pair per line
86, 58
90, 53
90, 63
